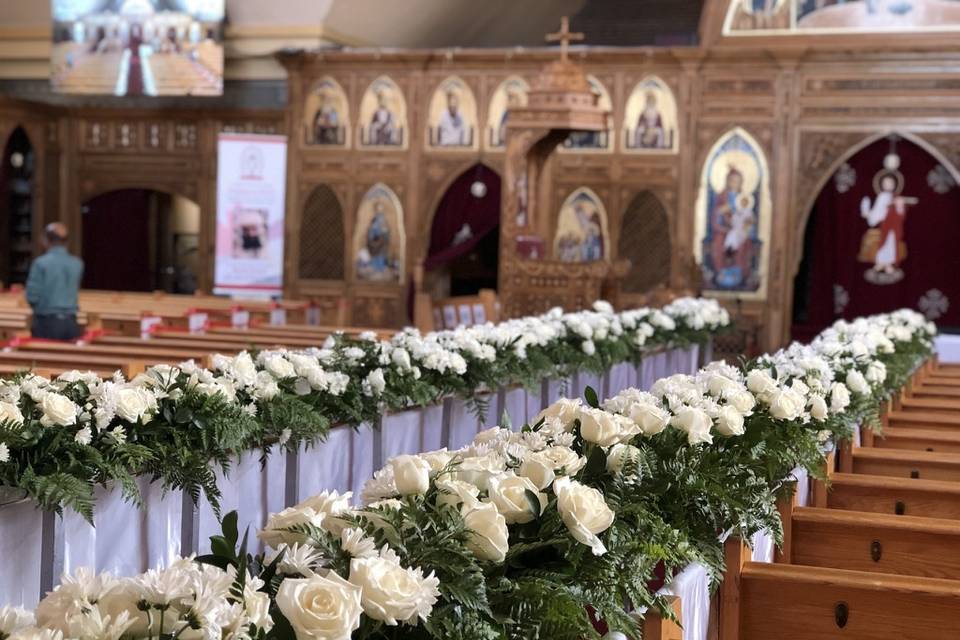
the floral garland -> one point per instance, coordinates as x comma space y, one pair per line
521, 534
59, 438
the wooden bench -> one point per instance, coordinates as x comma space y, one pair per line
900, 463
814, 603
878, 543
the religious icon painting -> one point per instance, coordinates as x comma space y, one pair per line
841, 16
582, 234
884, 245
510, 94
733, 217
593, 140
326, 115
650, 119
383, 116
379, 240
452, 117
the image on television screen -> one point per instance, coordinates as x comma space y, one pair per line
138, 47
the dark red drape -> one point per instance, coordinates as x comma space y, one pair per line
116, 241
459, 207
832, 282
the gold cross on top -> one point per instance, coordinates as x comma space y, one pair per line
564, 37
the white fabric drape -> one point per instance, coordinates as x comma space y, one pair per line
761, 543
692, 586
401, 433
20, 549
242, 489
515, 406
619, 378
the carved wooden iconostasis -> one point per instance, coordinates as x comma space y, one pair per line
704, 177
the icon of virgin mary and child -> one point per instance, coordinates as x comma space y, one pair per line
731, 246
374, 259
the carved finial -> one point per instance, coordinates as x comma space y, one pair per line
564, 37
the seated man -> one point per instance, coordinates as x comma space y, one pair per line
52, 288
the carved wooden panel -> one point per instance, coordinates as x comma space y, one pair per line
645, 242
819, 152
378, 310
322, 242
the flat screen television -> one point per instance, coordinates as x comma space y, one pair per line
138, 47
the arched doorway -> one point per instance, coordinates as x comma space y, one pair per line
141, 240
321, 236
16, 208
464, 239
645, 242
881, 235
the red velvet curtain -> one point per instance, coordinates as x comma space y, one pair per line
116, 241
460, 207
833, 281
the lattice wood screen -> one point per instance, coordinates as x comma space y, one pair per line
645, 242
321, 236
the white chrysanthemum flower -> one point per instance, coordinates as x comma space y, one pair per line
84, 436
298, 559
357, 544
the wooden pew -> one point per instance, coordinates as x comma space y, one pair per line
64, 362
146, 351
210, 345
930, 420
878, 543
917, 439
813, 603
899, 463
877, 494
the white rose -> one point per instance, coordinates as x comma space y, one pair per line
876, 372
584, 511
563, 459
588, 347
488, 532
760, 382
411, 474
858, 350
743, 401
280, 367
818, 407
565, 409
132, 404
730, 422
695, 423
538, 469
619, 455
391, 593
650, 418
59, 410
598, 427
509, 494
839, 397
244, 370
401, 358
719, 385
437, 460
321, 608
786, 404
478, 471
274, 532
330, 505
857, 383
10, 412
457, 492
